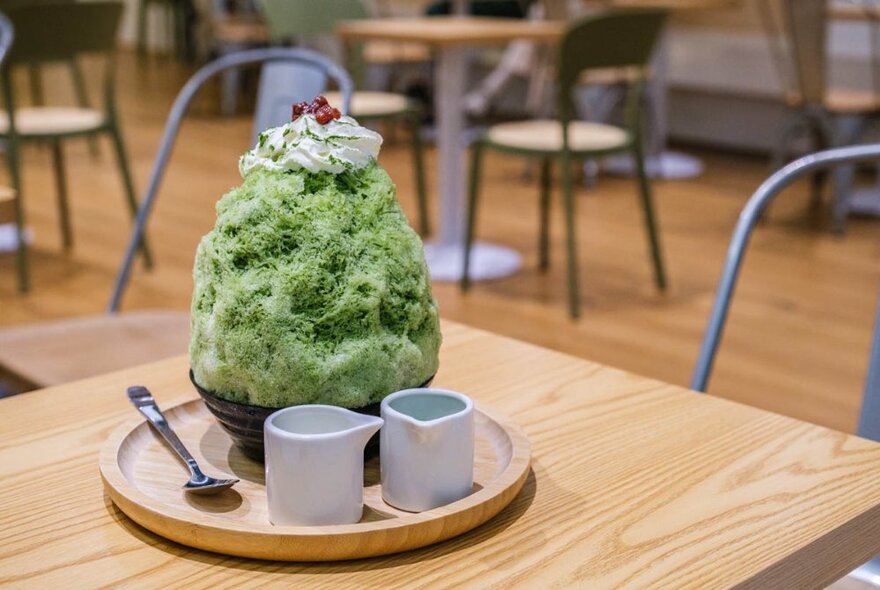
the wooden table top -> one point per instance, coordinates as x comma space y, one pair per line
447, 31
677, 5
635, 483
444, 31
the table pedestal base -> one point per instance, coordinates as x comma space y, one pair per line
488, 261
666, 165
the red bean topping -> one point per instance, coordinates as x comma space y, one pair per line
298, 109
320, 108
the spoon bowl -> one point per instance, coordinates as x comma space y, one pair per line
208, 486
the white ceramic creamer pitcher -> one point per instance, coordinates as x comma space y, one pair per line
427, 448
315, 464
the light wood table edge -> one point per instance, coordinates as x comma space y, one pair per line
808, 573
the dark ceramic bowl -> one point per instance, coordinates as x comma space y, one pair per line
244, 423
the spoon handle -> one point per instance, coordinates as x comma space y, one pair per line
142, 399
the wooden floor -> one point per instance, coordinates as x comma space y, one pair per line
798, 339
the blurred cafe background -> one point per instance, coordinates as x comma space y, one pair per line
612, 252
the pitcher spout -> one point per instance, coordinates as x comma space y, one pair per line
369, 425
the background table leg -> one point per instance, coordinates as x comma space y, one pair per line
446, 257
661, 162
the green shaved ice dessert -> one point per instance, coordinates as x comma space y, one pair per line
312, 287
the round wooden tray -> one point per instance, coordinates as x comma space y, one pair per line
144, 480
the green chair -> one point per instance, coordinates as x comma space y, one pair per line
612, 39
36, 79
295, 20
48, 32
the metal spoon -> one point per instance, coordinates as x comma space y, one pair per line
198, 483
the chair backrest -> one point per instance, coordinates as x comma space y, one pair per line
869, 423
618, 38
289, 19
238, 59
57, 31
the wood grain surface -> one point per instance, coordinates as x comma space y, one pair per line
144, 480
450, 30
634, 483
52, 353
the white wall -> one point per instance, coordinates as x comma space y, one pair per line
726, 90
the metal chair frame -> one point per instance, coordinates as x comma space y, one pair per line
178, 110
869, 421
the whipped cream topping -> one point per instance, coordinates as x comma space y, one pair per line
337, 146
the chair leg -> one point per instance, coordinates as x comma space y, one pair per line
822, 141
849, 128
82, 98
473, 196
122, 160
790, 129
844, 179
781, 150
230, 83
61, 193
21, 261
419, 165
544, 240
142, 29
36, 83
189, 20
178, 43
21, 256
650, 219
817, 187
574, 298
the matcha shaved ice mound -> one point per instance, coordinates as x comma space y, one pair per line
312, 287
